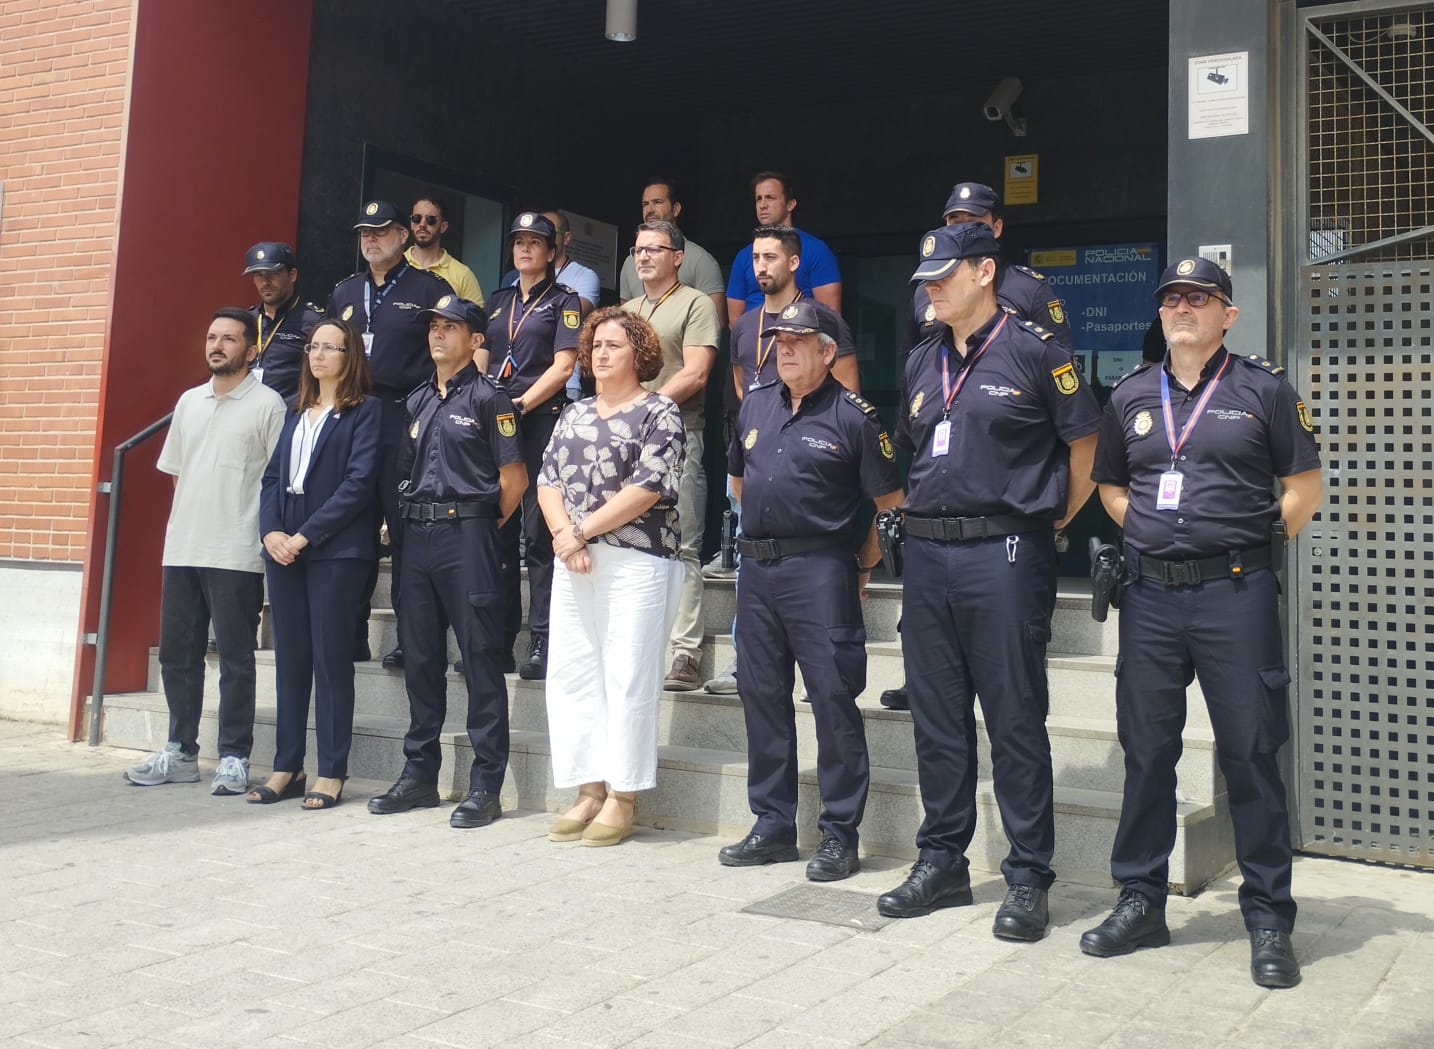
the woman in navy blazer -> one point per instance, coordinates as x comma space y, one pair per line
316, 521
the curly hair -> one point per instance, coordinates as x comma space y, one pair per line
647, 347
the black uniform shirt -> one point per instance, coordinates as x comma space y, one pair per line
282, 342
1018, 288
1022, 403
532, 333
756, 356
807, 474
399, 357
457, 443
1252, 430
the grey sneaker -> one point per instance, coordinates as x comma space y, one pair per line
231, 777
170, 765
725, 683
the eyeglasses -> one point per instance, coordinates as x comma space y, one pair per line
649, 249
422, 220
1196, 299
320, 349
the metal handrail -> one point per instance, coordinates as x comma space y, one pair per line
100, 638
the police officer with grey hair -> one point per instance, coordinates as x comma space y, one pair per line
1192, 452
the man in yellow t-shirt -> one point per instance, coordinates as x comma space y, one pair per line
428, 221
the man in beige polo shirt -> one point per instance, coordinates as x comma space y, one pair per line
219, 441
688, 324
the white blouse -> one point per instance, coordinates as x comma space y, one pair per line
301, 452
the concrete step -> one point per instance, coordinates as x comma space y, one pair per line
1085, 751
704, 790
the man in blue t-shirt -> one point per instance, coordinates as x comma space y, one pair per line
819, 276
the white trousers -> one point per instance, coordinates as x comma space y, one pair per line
607, 643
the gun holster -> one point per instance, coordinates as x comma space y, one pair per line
1107, 577
888, 539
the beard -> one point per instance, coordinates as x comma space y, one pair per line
226, 366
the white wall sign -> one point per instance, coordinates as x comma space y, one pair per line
1220, 95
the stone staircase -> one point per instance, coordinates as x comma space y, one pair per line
702, 761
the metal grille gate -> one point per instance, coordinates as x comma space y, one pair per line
1366, 363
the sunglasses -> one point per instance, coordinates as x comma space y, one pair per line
421, 220
1197, 299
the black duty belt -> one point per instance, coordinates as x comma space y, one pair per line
447, 511
771, 549
956, 529
1191, 573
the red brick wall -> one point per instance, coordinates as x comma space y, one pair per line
62, 107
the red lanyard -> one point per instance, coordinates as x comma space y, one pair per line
1189, 427
952, 389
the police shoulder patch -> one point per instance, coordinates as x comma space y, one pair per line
1067, 382
571, 319
883, 441
313, 306
1304, 413
857, 399
1254, 360
348, 312
507, 424
1057, 311
1044, 334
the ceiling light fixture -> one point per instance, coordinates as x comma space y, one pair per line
621, 21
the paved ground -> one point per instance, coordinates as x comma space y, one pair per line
165, 917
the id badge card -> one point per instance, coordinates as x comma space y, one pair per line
1168, 496
941, 438
258, 373
368, 344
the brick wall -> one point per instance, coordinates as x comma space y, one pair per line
62, 101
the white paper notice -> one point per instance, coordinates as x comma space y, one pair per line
1220, 95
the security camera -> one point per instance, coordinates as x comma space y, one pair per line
1002, 103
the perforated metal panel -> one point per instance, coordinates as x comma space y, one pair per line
1366, 565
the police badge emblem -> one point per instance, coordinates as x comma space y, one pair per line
526, 219
884, 443
1185, 268
571, 319
1058, 313
1304, 413
1066, 380
372, 209
443, 302
1143, 424
259, 254
348, 312
928, 246
916, 402
789, 312
507, 425
751, 439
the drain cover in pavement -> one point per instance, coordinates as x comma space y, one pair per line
850, 910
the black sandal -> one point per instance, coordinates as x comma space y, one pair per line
266, 795
325, 801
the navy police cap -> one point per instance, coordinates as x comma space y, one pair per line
377, 214
943, 248
802, 318
1197, 273
532, 222
453, 308
269, 256
973, 198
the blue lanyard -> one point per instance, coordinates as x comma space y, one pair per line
377, 296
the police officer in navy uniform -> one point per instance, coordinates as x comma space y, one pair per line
1190, 453
1019, 289
531, 350
463, 474
384, 299
806, 455
1002, 430
285, 323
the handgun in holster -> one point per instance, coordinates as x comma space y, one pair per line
888, 540
1107, 572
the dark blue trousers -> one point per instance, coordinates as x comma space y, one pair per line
450, 577
1227, 632
803, 610
537, 542
976, 620
313, 600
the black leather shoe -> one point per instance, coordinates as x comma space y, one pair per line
1135, 922
756, 849
1023, 915
535, 667
404, 795
895, 699
394, 659
1272, 959
926, 888
479, 809
834, 861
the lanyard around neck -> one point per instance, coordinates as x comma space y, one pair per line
1185, 431
950, 389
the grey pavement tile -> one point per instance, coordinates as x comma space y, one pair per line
656, 958
731, 1021
22, 987
339, 993
217, 994
694, 986
101, 1030
794, 930
363, 1025
491, 1023
1141, 1034
1073, 1028
802, 984
944, 1032
853, 1018
17, 1018
864, 954
612, 1023
781, 1038
581, 990
661, 1040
